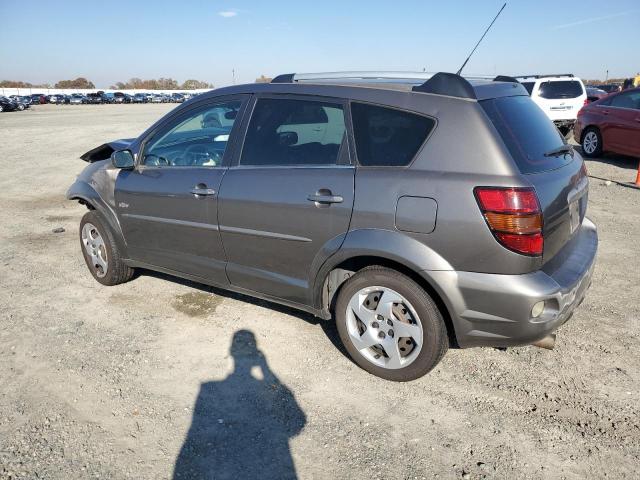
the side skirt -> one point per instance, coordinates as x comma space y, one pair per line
232, 288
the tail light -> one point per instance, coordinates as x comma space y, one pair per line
586, 102
514, 217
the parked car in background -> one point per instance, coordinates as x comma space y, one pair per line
362, 204
611, 124
94, 98
77, 99
23, 102
120, 97
139, 98
177, 97
54, 98
560, 96
7, 105
608, 87
38, 98
594, 94
157, 98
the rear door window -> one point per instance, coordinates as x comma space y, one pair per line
527, 132
386, 136
560, 89
294, 132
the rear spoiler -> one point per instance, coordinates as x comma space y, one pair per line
104, 151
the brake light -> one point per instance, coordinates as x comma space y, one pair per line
514, 217
586, 102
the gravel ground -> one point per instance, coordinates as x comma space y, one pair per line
137, 381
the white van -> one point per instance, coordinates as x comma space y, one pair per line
561, 96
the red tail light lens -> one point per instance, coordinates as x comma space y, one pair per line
514, 217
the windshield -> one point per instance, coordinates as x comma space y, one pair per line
560, 89
527, 133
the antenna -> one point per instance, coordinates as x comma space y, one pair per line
485, 32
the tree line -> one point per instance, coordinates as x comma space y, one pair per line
160, 84
133, 83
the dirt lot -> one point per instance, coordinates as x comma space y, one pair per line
135, 381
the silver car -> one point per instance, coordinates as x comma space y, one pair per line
418, 215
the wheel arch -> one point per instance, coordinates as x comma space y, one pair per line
84, 194
388, 249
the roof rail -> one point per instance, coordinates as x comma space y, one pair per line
545, 76
362, 75
440, 83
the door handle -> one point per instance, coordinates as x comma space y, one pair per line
638, 119
606, 112
202, 190
325, 198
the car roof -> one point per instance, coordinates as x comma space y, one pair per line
476, 88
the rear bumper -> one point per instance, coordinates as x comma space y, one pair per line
495, 310
564, 123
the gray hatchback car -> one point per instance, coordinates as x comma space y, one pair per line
417, 214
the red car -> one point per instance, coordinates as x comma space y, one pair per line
611, 124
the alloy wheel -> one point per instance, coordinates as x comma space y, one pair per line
96, 249
590, 142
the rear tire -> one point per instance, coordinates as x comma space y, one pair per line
100, 251
389, 325
591, 142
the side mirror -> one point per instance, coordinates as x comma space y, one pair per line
123, 159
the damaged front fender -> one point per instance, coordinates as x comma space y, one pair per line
104, 151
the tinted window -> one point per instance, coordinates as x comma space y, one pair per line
528, 86
527, 132
388, 137
626, 100
294, 132
199, 140
560, 89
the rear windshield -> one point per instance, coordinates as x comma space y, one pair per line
527, 132
560, 89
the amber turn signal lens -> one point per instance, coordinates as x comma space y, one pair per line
519, 224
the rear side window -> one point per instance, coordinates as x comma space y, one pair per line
560, 89
388, 137
527, 132
626, 100
528, 86
294, 132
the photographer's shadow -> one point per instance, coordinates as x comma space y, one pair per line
242, 425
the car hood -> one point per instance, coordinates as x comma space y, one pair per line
104, 151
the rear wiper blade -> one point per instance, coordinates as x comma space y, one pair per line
561, 150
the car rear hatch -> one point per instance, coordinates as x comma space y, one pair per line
547, 162
561, 98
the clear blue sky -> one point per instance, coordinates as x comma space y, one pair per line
109, 41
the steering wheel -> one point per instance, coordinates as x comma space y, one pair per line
199, 155
155, 160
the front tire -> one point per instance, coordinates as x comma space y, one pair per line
591, 142
389, 325
100, 251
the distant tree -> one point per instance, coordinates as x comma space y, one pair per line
79, 82
153, 84
263, 79
19, 84
194, 84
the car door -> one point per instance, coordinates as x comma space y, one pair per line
622, 131
167, 205
287, 201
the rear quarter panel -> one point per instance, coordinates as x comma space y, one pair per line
462, 152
